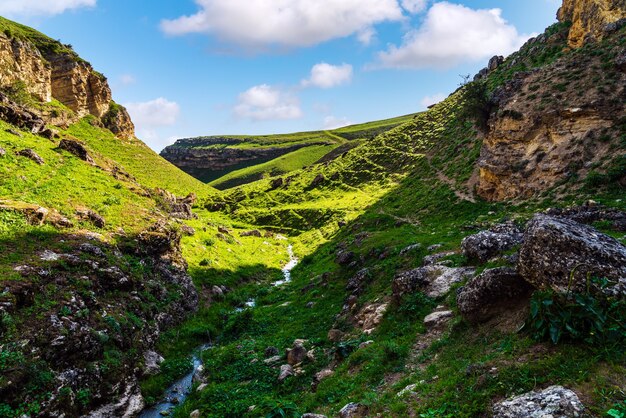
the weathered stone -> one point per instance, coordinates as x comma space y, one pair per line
285, 371
335, 335
357, 281
32, 155
438, 319
344, 257
77, 149
487, 244
91, 216
490, 293
554, 402
589, 17
371, 316
590, 213
272, 360
195, 414
309, 415
562, 254
152, 362
253, 233
353, 410
118, 121
436, 280
3, 152
494, 63
297, 354
271, 351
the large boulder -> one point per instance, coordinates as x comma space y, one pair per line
435, 280
76, 148
562, 254
32, 155
491, 293
553, 402
296, 354
487, 244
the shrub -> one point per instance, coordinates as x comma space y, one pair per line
589, 317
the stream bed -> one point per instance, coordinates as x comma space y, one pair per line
179, 390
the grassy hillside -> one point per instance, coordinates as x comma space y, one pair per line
410, 187
315, 147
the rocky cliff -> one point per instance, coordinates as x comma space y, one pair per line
50, 70
589, 18
557, 122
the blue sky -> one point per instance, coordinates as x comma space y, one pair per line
208, 67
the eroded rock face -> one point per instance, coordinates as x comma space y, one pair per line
353, 410
21, 62
554, 402
492, 292
559, 252
78, 86
589, 17
46, 74
533, 143
76, 148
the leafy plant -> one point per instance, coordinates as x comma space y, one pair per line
588, 317
283, 410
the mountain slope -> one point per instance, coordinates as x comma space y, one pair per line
229, 161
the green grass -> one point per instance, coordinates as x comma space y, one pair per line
44, 43
282, 165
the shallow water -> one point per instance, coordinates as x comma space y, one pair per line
177, 392
293, 261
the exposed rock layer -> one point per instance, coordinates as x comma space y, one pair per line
589, 17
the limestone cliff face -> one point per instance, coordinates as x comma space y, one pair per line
589, 18
555, 124
46, 74
21, 62
76, 85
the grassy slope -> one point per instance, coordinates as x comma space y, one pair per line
409, 185
343, 138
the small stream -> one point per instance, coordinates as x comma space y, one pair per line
179, 390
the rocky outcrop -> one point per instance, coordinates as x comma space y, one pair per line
22, 64
435, 280
487, 244
555, 402
77, 149
544, 133
75, 84
46, 70
491, 293
562, 254
589, 18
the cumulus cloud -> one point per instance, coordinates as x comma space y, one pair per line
290, 23
414, 6
452, 34
41, 7
157, 112
332, 122
325, 75
431, 100
265, 102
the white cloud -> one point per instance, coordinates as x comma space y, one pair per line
41, 7
290, 23
158, 112
325, 76
414, 6
332, 122
267, 103
452, 34
431, 100
127, 79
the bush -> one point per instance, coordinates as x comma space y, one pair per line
594, 319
